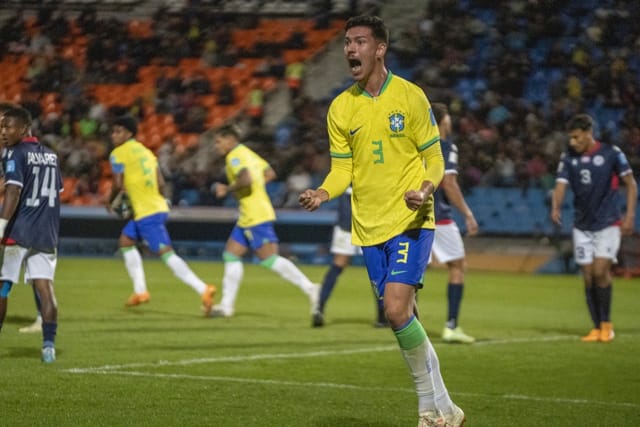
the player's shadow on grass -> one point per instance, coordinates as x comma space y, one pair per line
20, 320
31, 352
350, 422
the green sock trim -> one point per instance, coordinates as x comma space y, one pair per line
268, 262
229, 257
411, 336
127, 248
166, 255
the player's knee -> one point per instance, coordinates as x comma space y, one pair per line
269, 261
5, 289
229, 257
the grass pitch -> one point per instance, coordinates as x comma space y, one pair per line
163, 364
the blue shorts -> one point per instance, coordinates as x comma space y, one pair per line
403, 259
254, 237
151, 230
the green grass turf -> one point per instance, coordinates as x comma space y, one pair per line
163, 364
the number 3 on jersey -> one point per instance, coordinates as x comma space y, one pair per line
378, 152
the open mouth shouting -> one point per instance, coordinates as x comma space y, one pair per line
355, 65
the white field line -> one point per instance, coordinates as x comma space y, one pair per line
122, 370
280, 356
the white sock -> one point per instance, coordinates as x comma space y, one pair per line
288, 271
443, 400
421, 370
133, 264
233, 272
182, 271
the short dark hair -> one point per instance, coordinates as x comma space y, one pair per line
439, 111
128, 122
4, 106
376, 24
228, 130
580, 121
19, 113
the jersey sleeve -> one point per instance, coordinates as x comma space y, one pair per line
622, 164
338, 141
562, 174
423, 122
14, 168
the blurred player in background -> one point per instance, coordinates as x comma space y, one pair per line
343, 250
448, 247
247, 174
384, 142
135, 170
593, 169
30, 220
36, 326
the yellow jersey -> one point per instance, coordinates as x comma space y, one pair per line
140, 167
385, 137
255, 204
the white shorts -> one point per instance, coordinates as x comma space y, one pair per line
341, 243
447, 243
588, 245
37, 265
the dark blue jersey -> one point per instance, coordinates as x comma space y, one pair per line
344, 211
36, 221
442, 205
593, 178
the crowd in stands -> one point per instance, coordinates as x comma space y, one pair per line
512, 73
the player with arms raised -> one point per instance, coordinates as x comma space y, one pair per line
384, 141
30, 220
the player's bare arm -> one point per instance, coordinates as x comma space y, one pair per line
556, 202
269, 175
416, 198
628, 221
11, 199
452, 190
312, 199
243, 181
117, 185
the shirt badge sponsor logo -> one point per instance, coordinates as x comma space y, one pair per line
598, 160
574, 162
396, 272
396, 122
585, 159
11, 166
235, 161
354, 131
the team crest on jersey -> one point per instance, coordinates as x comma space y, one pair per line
598, 160
396, 122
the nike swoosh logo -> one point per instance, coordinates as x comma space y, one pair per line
396, 272
354, 131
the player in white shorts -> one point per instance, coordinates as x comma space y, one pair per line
594, 170
588, 245
448, 247
343, 250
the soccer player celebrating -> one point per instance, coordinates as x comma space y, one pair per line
248, 174
384, 141
135, 170
448, 246
30, 220
593, 169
